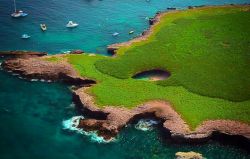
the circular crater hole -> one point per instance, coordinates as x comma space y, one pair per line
152, 75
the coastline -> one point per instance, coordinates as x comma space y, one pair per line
114, 119
110, 119
153, 22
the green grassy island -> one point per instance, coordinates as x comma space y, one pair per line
207, 53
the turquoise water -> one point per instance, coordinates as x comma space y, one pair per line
98, 20
31, 113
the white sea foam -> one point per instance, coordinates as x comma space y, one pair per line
65, 51
72, 125
146, 124
34, 80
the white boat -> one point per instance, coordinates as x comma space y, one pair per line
43, 27
25, 36
19, 13
115, 34
71, 24
131, 32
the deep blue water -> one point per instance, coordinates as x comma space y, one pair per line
31, 113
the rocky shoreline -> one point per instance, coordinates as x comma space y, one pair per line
109, 120
40, 69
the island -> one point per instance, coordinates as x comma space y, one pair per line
199, 62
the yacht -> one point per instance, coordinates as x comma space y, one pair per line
71, 24
18, 13
115, 34
43, 27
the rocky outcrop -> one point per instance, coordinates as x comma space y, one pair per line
21, 53
39, 68
77, 52
188, 155
115, 118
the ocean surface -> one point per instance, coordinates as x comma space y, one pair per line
33, 114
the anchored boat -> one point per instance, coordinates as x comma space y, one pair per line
71, 24
131, 32
43, 27
115, 34
19, 13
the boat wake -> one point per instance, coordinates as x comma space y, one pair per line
146, 124
72, 125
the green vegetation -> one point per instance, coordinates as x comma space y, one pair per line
207, 52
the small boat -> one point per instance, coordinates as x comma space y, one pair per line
25, 36
43, 27
71, 24
19, 13
115, 34
171, 8
131, 32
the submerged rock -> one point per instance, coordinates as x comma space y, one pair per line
188, 155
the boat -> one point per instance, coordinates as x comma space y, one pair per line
17, 13
171, 8
131, 32
25, 36
43, 27
71, 24
115, 34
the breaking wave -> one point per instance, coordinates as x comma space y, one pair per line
72, 125
146, 124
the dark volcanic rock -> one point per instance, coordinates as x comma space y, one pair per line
151, 21
21, 53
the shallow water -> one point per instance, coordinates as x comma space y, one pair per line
31, 113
